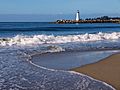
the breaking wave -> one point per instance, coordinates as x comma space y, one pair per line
51, 43
51, 39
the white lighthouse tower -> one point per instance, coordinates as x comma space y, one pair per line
77, 16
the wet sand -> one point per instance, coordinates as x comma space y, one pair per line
107, 70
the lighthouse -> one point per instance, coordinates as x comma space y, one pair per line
77, 16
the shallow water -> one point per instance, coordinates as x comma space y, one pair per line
17, 72
69, 60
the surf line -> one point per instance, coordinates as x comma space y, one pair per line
72, 72
29, 59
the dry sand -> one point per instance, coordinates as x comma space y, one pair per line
107, 70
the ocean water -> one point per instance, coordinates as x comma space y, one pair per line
35, 28
19, 42
49, 37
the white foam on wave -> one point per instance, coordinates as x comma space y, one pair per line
51, 43
51, 39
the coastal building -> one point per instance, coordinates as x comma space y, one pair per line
77, 16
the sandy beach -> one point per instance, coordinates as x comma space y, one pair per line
107, 70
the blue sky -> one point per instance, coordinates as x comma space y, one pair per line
58, 7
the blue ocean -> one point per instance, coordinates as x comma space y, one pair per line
64, 37
11, 29
38, 56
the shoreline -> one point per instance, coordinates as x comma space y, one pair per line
106, 70
69, 60
17, 73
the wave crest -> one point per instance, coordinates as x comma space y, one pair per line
51, 39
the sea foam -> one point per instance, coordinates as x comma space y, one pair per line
51, 43
51, 39
21, 72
